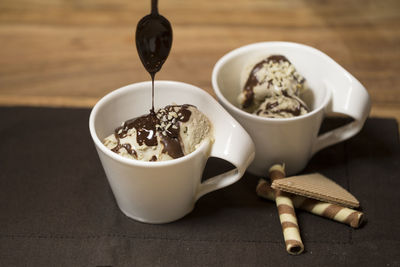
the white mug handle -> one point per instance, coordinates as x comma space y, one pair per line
233, 146
349, 97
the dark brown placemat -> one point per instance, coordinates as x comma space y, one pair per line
56, 208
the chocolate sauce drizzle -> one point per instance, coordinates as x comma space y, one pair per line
252, 80
171, 137
145, 127
295, 112
165, 124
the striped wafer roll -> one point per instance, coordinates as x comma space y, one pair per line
287, 215
335, 212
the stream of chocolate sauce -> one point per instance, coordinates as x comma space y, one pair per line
153, 43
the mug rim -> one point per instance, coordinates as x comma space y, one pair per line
133, 162
254, 46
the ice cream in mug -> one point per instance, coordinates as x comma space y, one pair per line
273, 88
170, 132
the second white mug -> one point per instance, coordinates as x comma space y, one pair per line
293, 141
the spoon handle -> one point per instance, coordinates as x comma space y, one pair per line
154, 7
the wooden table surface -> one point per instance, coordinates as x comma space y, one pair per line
71, 53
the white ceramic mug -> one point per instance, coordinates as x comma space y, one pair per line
293, 140
160, 192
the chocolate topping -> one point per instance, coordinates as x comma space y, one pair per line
295, 112
127, 147
277, 58
252, 80
146, 129
172, 146
165, 123
170, 117
271, 108
272, 105
185, 113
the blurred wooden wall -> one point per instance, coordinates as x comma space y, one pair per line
72, 52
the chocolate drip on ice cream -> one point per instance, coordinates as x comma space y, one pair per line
252, 81
271, 105
273, 89
277, 58
280, 107
145, 127
165, 124
172, 146
127, 147
170, 117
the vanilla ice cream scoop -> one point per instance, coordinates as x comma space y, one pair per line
169, 133
273, 83
281, 107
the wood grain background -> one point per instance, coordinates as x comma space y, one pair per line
72, 52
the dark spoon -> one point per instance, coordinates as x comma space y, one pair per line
153, 42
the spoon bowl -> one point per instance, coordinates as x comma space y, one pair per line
153, 40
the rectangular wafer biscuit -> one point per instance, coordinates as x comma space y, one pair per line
318, 187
